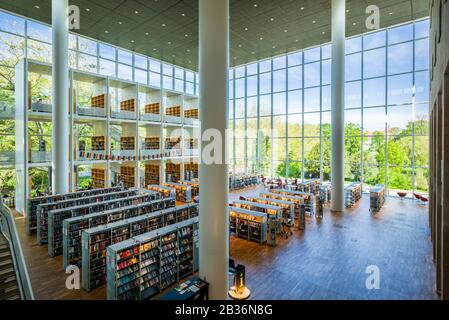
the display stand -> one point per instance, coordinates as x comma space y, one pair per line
288, 207
183, 191
167, 192
377, 198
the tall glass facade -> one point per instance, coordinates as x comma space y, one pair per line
280, 111
21, 37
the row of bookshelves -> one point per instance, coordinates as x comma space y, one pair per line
377, 198
96, 240
172, 172
85, 202
73, 227
183, 191
127, 176
191, 113
145, 265
288, 207
152, 143
32, 203
165, 191
194, 185
299, 202
56, 217
353, 193
152, 174
237, 182
98, 178
309, 198
247, 224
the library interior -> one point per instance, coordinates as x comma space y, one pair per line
224, 150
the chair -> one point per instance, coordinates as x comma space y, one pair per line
242, 198
231, 268
424, 200
418, 197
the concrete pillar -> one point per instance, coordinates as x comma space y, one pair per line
213, 70
338, 100
60, 92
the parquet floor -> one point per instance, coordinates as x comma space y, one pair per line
327, 261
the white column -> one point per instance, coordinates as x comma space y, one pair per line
60, 92
338, 100
213, 69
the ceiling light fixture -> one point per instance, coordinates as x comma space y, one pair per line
354, 23
106, 31
147, 33
120, 22
164, 25
37, 7
132, 41
169, 42
260, 38
87, 9
390, 13
246, 29
274, 47
285, 30
256, 5
314, 21
296, 40
302, 8
183, 14
271, 19
186, 35
136, 12
324, 32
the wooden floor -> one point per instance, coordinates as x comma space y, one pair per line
327, 261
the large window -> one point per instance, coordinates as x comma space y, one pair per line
386, 111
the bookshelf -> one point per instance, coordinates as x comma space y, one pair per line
172, 143
191, 116
274, 213
194, 185
150, 103
146, 265
128, 105
32, 203
73, 227
95, 240
377, 198
152, 143
288, 207
353, 193
237, 182
89, 93
127, 143
98, 178
152, 112
152, 174
173, 114
127, 176
183, 191
309, 198
172, 171
247, 224
190, 170
167, 192
44, 209
298, 201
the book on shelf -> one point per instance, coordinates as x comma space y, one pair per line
191, 113
152, 175
127, 143
95, 240
145, 265
65, 202
98, 101
174, 111
152, 143
127, 176
128, 105
172, 172
32, 203
98, 143
85, 206
102, 213
154, 108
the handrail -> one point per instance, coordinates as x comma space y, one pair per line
9, 230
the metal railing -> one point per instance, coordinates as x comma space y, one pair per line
9, 230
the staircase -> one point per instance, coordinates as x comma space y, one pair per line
9, 289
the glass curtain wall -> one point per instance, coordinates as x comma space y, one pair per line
21, 37
280, 111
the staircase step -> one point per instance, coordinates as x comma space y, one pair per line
12, 293
5, 254
8, 286
4, 263
7, 272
